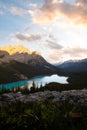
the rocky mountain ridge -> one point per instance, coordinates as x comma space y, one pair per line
17, 53
18, 63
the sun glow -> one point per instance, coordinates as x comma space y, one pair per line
51, 27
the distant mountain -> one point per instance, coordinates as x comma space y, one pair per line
18, 63
76, 70
74, 66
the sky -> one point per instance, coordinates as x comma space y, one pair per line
55, 28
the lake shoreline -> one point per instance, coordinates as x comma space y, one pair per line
39, 80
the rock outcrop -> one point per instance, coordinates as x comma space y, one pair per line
71, 96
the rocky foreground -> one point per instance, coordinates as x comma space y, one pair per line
71, 96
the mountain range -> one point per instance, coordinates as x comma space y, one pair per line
18, 63
75, 70
74, 66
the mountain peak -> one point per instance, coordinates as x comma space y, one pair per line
36, 53
16, 49
20, 54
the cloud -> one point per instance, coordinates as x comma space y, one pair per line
55, 55
18, 11
33, 5
54, 9
28, 37
68, 53
53, 45
81, 2
75, 52
1, 12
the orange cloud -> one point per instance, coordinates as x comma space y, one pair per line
54, 9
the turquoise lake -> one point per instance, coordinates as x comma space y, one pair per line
38, 80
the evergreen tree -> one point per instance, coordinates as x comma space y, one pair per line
33, 88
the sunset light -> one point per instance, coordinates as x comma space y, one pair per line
44, 26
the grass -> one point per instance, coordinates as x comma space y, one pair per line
43, 115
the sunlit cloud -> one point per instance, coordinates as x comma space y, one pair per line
55, 28
68, 53
55, 55
18, 11
76, 51
56, 9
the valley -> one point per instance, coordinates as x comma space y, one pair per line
37, 95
